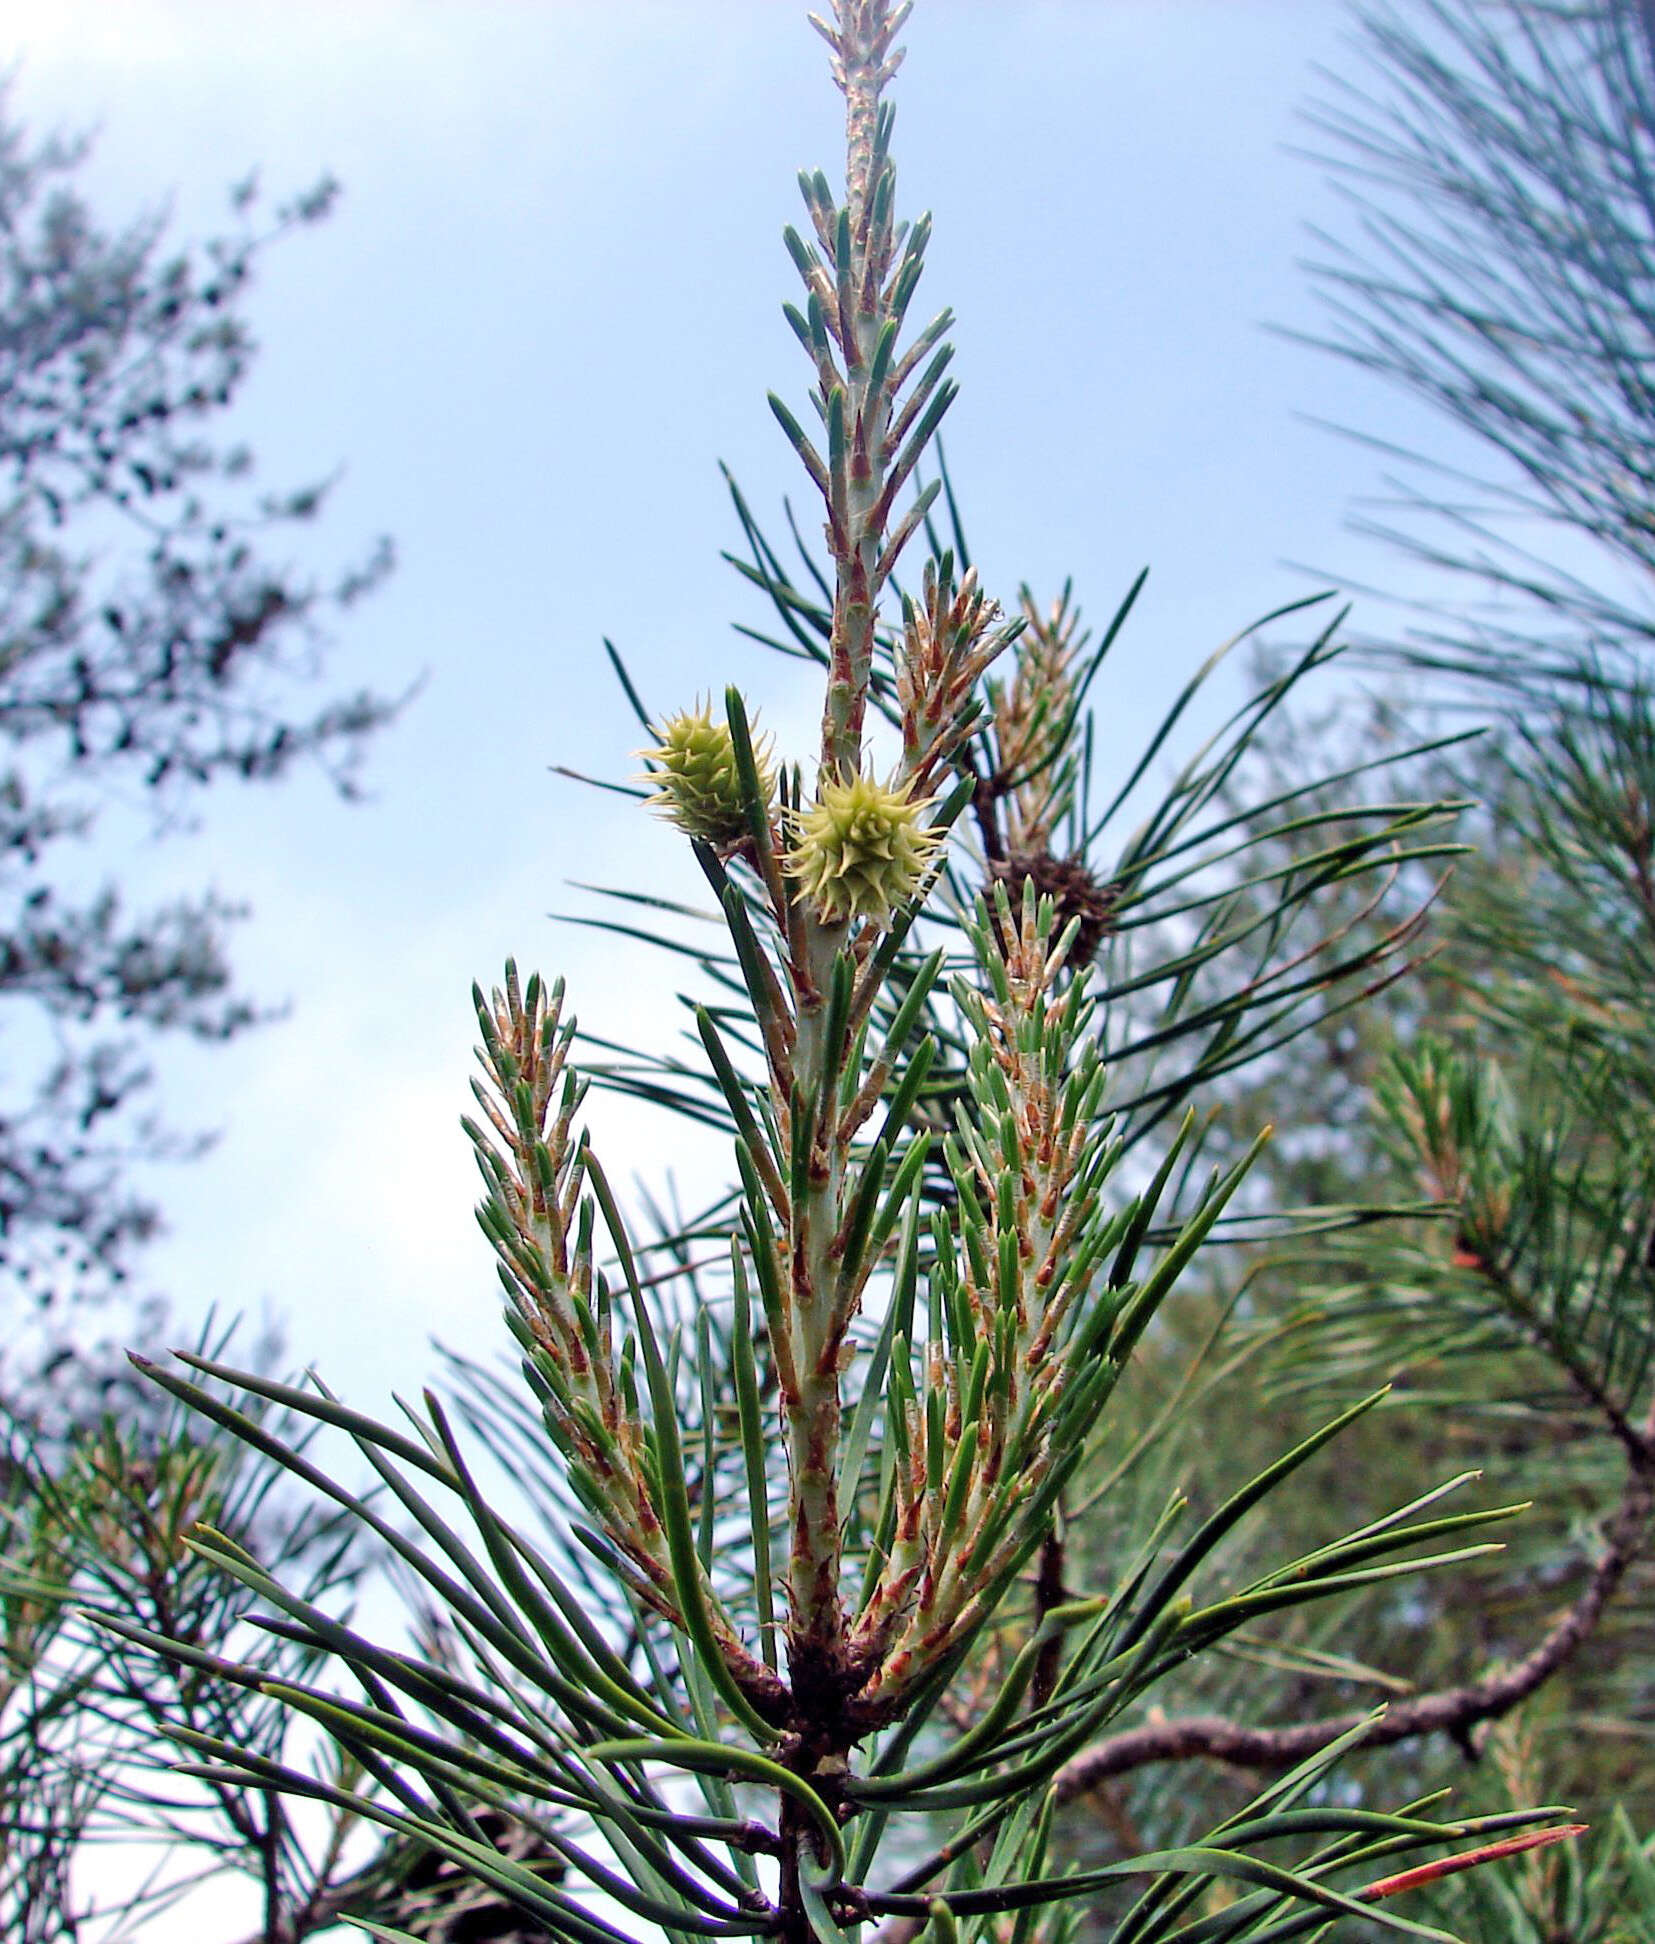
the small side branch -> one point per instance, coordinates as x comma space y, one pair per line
1451, 1711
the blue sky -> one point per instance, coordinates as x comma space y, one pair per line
548, 304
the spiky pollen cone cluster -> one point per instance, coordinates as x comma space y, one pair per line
862, 849
697, 779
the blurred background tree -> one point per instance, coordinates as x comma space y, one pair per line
153, 640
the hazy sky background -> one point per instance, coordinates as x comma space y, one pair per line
549, 302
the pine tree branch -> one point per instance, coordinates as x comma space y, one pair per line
1452, 1711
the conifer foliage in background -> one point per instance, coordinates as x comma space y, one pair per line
151, 640
1499, 160
761, 1645
1497, 265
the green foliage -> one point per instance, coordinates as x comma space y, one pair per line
1499, 166
109, 1520
1497, 268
